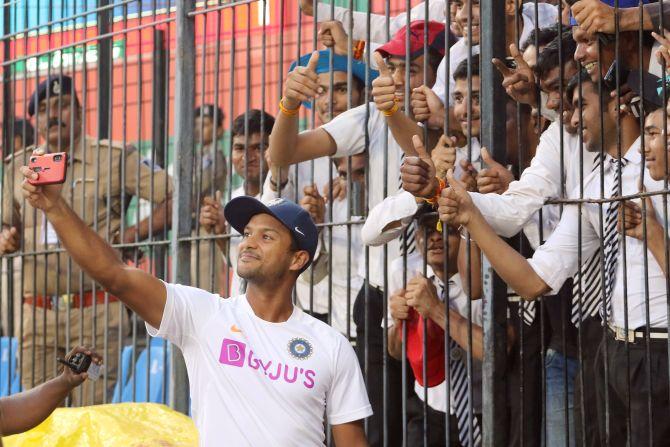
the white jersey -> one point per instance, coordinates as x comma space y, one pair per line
258, 383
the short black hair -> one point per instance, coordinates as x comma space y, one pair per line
254, 118
208, 111
551, 55
461, 71
25, 130
584, 77
544, 36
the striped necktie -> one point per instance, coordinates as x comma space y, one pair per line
587, 282
612, 236
460, 391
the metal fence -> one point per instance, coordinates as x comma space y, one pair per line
162, 127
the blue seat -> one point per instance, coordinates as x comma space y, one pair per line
126, 368
152, 363
9, 380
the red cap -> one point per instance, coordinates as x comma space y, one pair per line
434, 349
397, 45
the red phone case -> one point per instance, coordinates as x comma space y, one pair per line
50, 167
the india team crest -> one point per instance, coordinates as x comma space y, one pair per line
300, 348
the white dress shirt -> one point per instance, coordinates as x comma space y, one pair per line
556, 259
348, 131
517, 208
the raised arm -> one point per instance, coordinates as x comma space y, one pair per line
140, 291
287, 146
456, 207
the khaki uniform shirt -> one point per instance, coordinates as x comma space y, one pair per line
95, 187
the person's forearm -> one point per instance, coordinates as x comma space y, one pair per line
513, 268
471, 271
629, 18
283, 139
25, 410
161, 218
395, 341
656, 244
403, 129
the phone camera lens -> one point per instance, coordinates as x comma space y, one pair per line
37, 169
33, 159
58, 157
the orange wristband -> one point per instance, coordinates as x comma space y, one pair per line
288, 112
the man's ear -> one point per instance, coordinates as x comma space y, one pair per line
219, 132
300, 259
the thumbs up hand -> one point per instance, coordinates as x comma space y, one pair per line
302, 84
418, 173
383, 87
455, 206
494, 179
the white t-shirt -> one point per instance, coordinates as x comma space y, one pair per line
257, 383
547, 16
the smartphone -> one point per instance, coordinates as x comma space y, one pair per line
510, 62
50, 167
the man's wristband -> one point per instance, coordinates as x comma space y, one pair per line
392, 110
441, 184
288, 112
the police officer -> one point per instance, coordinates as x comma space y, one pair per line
61, 305
210, 170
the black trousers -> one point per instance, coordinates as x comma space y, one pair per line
525, 409
436, 427
371, 333
629, 364
587, 434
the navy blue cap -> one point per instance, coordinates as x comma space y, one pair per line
240, 210
358, 68
622, 4
54, 85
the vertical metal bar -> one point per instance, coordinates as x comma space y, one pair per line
183, 165
104, 69
493, 135
159, 132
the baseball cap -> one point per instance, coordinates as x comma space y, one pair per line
240, 210
340, 62
622, 4
397, 45
53, 85
434, 351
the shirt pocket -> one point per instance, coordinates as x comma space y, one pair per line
85, 198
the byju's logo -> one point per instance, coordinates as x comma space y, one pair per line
234, 353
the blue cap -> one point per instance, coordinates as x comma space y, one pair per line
240, 210
339, 64
622, 4
54, 85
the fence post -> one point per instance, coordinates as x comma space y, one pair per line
104, 70
183, 165
493, 133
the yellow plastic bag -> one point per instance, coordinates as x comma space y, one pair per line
127, 425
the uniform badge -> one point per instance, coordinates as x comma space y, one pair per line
456, 353
55, 87
300, 348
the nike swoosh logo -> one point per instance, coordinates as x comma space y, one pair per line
234, 328
298, 230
